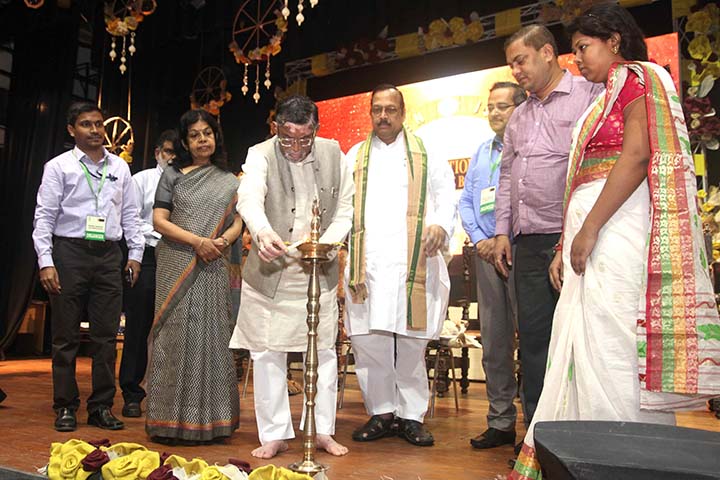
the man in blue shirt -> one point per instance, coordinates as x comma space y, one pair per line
85, 204
140, 298
496, 305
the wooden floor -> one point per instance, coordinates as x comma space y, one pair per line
26, 420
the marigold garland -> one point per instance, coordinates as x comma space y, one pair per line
457, 31
259, 54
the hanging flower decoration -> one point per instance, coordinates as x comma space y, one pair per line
209, 91
299, 18
126, 152
252, 44
119, 137
458, 31
702, 70
122, 18
213, 106
262, 53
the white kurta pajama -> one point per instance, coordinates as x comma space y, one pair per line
271, 327
378, 327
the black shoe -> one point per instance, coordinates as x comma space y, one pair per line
492, 437
518, 447
103, 418
132, 410
3, 395
65, 420
375, 428
415, 433
165, 440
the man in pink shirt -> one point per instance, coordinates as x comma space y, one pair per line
529, 203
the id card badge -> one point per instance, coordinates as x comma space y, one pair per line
95, 228
487, 200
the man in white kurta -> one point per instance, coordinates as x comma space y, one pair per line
390, 354
282, 177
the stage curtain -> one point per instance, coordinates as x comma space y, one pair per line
44, 59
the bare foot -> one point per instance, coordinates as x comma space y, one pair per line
327, 443
270, 449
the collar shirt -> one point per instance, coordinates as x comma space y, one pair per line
386, 239
535, 160
65, 200
386, 200
387, 172
483, 172
146, 183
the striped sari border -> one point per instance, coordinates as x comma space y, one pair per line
672, 356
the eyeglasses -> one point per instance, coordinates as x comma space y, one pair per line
300, 142
500, 107
390, 110
194, 135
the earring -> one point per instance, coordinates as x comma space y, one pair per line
615, 50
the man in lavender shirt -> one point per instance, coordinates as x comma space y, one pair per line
86, 202
529, 201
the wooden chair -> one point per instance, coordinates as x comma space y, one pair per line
344, 352
438, 352
439, 355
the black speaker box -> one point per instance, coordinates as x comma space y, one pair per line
625, 450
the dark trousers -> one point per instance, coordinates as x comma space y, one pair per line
139, 314
91, 288
536, 301
497, 314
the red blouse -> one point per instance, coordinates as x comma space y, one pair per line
605, 147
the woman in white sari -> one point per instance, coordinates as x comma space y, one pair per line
635, 332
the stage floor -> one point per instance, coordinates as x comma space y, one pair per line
26, 424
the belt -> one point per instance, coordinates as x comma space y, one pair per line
535, 235
89, 244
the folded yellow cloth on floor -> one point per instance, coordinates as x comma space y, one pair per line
66, 460
138, 464
192, 467
271, 472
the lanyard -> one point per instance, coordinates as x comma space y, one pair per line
494, 166
89, 180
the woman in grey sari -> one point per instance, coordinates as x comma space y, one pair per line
192, 386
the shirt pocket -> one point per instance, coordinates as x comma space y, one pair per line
559, 135
114, 193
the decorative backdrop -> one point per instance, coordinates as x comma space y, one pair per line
449, 113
